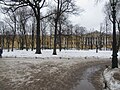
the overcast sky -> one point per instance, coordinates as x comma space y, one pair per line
92, 16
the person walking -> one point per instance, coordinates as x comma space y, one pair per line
1, 51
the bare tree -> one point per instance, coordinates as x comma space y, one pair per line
2, 30
76, 29
108, 14
33, 30
44, 33
61, 6
79, 33
23, 19
71, 34
118, 45
8, 40
63, 21
11, 20
36, 5
82, 32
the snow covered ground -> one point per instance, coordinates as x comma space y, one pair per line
112, 82
75, 55
62, 54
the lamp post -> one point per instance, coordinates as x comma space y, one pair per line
114, 47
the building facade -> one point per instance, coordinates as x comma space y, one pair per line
91, 40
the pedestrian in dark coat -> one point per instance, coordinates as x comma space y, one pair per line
1, 51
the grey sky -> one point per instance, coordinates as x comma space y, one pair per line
92, 16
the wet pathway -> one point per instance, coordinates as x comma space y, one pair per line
85, 83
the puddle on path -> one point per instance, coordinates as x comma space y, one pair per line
84, 83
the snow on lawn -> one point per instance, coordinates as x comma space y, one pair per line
62, 54
112, 83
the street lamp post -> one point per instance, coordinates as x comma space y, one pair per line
114, 43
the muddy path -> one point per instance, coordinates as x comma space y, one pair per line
86, 79
91, 78
24, 74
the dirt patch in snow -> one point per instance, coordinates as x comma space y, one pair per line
116, 76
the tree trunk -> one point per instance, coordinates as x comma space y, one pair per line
67, 42
55, 38
13, 39
55, 35
50, 39
71, 42
60, 47
26, 42
38, 45
42, 41
22, 43
32, 37
8, 43
3, 36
